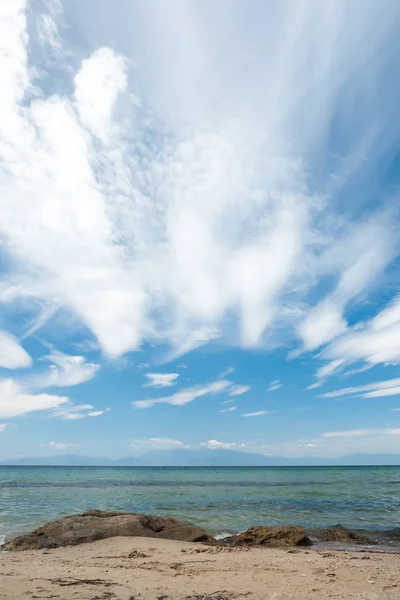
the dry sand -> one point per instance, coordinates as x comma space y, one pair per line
148, 569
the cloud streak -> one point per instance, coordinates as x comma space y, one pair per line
388, 387
161, 379
274, 385
239, 390
258, 413
186, 395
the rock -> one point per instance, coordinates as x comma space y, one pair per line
339, 534
283, 535
96, 525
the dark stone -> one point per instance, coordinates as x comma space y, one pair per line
282, 535
339, 534
97, 525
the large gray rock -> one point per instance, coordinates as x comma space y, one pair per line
282, 535
96, 525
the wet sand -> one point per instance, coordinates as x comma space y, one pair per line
144, 569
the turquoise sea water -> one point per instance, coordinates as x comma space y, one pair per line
219, 499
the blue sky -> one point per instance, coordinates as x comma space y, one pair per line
199, 234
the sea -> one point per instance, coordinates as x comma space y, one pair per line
223, 500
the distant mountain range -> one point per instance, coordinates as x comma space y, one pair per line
204, 458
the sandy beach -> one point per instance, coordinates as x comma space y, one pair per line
153, 569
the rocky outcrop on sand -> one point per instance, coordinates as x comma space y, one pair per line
340, 534
97, 525
283, 535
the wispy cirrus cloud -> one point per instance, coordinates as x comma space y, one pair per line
362, 257
239, 390
186, 395
324, 372
74, 412
375, 342
388, 387
274, 385
258, 413
161, 379
354, 433
228, 371
225, 410
314, 385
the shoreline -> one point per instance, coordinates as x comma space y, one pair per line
385, 541
125, 568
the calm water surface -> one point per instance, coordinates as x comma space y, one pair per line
219, 499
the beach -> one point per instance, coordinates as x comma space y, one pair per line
222, 501
152, 569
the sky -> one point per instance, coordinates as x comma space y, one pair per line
199, 227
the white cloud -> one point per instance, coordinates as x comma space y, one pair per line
73, 412
101, 79
322, 324
324, 372
225, 410
65, 371
364, 255
377, 341
159, 444
185, 396
215, 445
258, 413
328, 369
2, 426
162, 224
228, 371
95, 413
358, 370
394, 391
376, 389
314, 386
238, 390
274, 385
60, 446
12, 354
150, 444
161, 379
15, 402
360, 433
